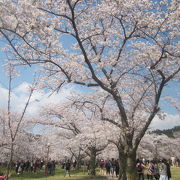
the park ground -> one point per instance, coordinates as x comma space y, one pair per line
80, 175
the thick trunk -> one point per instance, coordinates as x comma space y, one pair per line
93, 162
127, 166
122, 165
131, 167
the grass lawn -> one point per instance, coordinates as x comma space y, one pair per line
175, 172
74, 176
59, 176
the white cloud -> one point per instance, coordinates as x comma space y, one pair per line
39, 98
3, 97
169, 122
22, 88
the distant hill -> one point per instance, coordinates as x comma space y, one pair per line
172, 133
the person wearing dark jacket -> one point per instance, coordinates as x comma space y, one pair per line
117, 168
168, 170
67, 168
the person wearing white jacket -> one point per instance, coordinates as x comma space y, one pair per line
163, 171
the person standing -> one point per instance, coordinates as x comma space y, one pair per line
67, 168
101, 165
140, 169
156, 170
112, 167
108, 166
173, 160
117, 169
53, 168
163, 170
150, 170
49, 166
168, 170
17, 166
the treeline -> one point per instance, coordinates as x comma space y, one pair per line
168, 132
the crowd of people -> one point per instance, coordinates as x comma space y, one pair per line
32, 166
111, 167
155, 170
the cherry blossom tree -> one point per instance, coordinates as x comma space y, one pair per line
13, 133
83, 132
128, 50
155, 146
63, 145
12, 121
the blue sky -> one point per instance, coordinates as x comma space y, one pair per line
20, 84
20, 94
27, 76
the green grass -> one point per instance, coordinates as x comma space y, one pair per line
175, 173
74, 176
59, 175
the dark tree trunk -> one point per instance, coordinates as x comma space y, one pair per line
127, 166
131, 172
78, 165
122, 165
92, 162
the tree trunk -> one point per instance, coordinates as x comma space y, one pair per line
122, 165
9, 165
93, 162
127, 166
131, 167
78, 165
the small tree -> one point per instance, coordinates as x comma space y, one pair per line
12, 121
